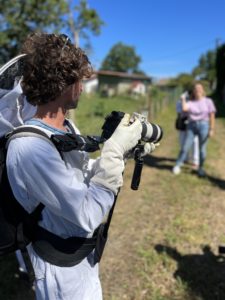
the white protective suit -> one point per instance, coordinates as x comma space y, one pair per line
14, 109
77, 199
45, 176
76, 192
72, 208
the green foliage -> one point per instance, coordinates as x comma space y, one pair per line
184, 80
156, 93
87, 20
122, 58
22, 17
220, 69
19, 18
206, 67
205, 72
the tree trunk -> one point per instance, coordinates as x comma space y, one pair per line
72, 25
76, 38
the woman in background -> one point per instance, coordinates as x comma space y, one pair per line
193, 154
201, 121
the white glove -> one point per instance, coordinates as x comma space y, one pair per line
126, 135
110, 166
149, 148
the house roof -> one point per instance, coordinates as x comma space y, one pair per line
123, 75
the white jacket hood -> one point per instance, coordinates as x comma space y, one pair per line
14, 108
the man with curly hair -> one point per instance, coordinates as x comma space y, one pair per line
77, 193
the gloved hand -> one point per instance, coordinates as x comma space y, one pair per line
110, 166
126, 136
149, 148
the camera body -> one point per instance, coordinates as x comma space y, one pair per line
151, 133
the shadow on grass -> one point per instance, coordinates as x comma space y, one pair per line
217, 181
165, 163
203, 274
220, 183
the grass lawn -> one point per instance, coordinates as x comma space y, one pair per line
93, 109
164, 237
163, 242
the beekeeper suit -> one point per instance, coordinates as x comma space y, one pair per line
14, 111
77, 193
75, 203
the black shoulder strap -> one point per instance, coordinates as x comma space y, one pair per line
35, 131
28, 129
36, 214
45, 242
102, 234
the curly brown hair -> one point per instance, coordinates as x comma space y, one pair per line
52, 63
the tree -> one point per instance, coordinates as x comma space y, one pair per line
122, 58
206, 68
184, 80
19, 18
220, 71
87, 19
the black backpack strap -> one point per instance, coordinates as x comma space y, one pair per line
50, 247
102, 234
25, 228
62, 252
30, 222
36, 213
24, 131
28, 131
62, 142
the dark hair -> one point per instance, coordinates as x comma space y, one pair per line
52, 63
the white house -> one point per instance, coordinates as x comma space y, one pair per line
90, 85
138, 88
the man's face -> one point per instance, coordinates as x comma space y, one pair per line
73, 94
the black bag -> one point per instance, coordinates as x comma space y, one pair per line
181, 122
18, 228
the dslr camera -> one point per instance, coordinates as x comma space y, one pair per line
151, 133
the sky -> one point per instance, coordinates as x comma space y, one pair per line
168, 35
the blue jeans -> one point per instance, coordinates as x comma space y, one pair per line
201, 129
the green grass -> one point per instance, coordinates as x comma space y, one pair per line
179, 214
92, 110
183, 270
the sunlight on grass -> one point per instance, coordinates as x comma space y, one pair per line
92, 111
